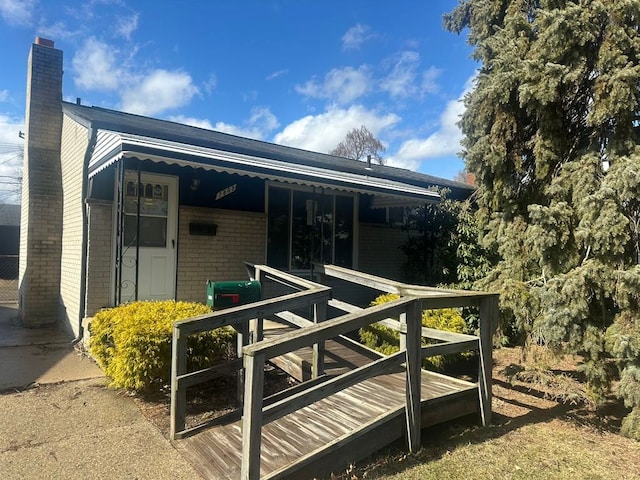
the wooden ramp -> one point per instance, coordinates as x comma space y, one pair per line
341, 355
344, 427
358, 400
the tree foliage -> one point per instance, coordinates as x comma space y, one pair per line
358, 144
552, 136
442, 248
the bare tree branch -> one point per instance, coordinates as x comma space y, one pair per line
358, 144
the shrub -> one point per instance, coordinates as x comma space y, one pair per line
387, 341
132, 342
631, 424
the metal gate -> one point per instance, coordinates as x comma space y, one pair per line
8, 278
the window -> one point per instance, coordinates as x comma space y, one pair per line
153, 214
306, 226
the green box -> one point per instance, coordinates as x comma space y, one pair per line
231, 294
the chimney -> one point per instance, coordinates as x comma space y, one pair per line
41, 217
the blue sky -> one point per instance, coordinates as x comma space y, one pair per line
295, 72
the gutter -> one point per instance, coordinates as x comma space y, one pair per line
93, 135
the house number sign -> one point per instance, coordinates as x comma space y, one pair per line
227, 191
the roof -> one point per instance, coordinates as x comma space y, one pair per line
122, 134
9, 214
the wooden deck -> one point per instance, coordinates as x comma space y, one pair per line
357, 402
358, 420
341, 355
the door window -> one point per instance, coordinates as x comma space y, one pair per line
153, 214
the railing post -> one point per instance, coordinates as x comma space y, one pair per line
178, 395
414, 368
242, 340
252, 417
319, 315
488, 325
259, 331
403, 333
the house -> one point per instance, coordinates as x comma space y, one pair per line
119, 207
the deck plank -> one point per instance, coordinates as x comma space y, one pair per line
216, 453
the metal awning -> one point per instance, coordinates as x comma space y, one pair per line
113, 146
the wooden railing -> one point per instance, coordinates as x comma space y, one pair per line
315, 296
255, 356
436, 298
258, 412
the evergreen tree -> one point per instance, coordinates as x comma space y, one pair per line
552, 135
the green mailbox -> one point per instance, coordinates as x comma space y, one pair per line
232, 294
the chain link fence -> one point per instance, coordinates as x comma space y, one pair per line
8, 278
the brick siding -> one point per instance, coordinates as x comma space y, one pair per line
99, 256
240, 237
75, 139
379, 250
41, 217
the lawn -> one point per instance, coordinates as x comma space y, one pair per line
539, 432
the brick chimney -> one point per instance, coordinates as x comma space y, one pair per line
41, 219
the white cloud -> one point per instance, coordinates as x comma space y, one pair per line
4, 95
211, 83
17, 12
99, 66
157, 91
260, 124
125, 26
443, 142
263, 117
57, 31
356, 36
404, 80
342, 85
429, 80
277, 74
321, 133
96, 67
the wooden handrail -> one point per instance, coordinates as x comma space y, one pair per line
291, 341
310, 294
407, 309
255, 356
262, 308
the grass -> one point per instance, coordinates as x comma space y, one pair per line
536, 434
553, 450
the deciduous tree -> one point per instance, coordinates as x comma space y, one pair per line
552, 135
358, 144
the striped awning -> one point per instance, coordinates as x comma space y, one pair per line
113, 146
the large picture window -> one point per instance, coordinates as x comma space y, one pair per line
307, 226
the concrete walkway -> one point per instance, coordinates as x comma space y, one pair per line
38, 356
69, 425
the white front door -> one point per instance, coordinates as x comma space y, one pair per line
149, 241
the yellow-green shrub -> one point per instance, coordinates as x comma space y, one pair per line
387, 341
132, 342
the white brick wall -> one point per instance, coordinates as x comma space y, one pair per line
379, 250
99, 255
75, 139
240, 237
41, 217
